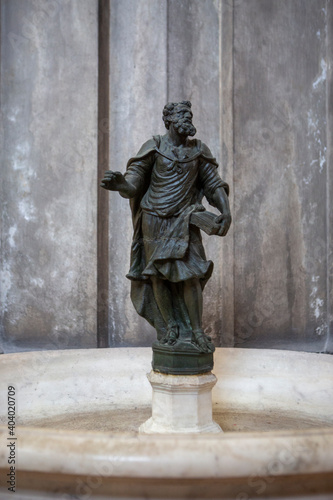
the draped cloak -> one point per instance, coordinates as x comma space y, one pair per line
165, 244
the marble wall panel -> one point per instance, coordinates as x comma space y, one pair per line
176, 56
48, 190
259, 75
195, 73
138, 93
281, 174
329, 175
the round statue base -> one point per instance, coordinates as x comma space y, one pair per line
181, 404
183, 358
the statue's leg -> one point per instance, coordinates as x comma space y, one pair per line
163, 298
193, 300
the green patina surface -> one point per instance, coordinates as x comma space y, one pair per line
166, 183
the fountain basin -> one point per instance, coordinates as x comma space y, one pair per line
78, 414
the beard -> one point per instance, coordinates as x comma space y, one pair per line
185, 127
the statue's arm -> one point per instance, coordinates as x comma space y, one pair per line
116, 181
216, 192
221, 202
131, 183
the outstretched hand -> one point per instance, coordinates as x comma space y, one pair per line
113, 181
224, 221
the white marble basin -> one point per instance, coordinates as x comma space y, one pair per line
78, 414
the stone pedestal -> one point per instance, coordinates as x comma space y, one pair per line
183, 358
181, 404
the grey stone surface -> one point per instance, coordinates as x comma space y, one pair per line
259, 74
49, 184
329, 197
227, 166
194, 69
138, 92
280, 175
149, 68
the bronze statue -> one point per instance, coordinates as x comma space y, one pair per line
165, 183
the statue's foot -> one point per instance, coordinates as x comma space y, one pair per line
171, 336
204, 343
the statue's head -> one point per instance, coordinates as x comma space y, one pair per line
180, 115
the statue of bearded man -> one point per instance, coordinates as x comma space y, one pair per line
166, 182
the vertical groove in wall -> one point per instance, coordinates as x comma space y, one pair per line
1, 7
2, 257
227, 155
329, 163
233, 152
167, 51
220, 255
103, 164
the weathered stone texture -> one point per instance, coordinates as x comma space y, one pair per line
149, 68
194, 74
138, 86
280, 183
259, 75
48, 240
329, 198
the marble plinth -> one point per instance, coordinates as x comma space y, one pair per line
181, 404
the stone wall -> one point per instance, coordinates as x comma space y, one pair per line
282, 173
49, 177
258, 73
176, 57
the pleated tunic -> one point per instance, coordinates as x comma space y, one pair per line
170, 187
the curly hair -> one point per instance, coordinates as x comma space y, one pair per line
169, 109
